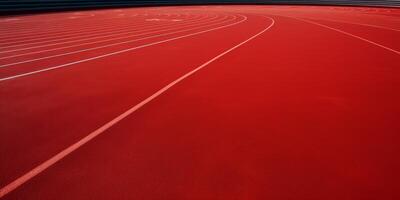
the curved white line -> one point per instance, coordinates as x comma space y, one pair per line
40, 168
124, 42
30, 35
72, 32
57, 28
78, 38
138, 33
191, 23
117, 52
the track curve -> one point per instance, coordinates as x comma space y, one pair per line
291, 102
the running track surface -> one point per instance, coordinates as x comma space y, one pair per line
207, 102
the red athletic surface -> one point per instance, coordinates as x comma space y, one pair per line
309, 109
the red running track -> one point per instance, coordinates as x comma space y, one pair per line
206, 102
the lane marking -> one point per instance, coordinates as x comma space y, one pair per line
99, 33
216, 22
349, 34
162, 19
118, 52
10, 19
71, 30
139, 33
40, 168
62, 38
154, 19
22, 32
361, 24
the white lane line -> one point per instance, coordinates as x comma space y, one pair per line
191, 23
40, 168
349, 34
70, 31
92, 35
117, 52
75, 17
56, 25
10, 20
216, 22
23, 32
361, 24
66, 38
38, 37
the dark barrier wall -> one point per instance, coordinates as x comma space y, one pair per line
20, 6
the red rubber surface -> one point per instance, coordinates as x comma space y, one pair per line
309, 109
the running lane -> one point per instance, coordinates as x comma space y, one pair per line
306, 110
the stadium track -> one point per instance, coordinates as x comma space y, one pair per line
201, 102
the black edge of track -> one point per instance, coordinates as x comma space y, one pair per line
18, 7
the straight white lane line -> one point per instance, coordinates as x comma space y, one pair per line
361, 24
349, 34
40, 168
214, 23
118, 52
